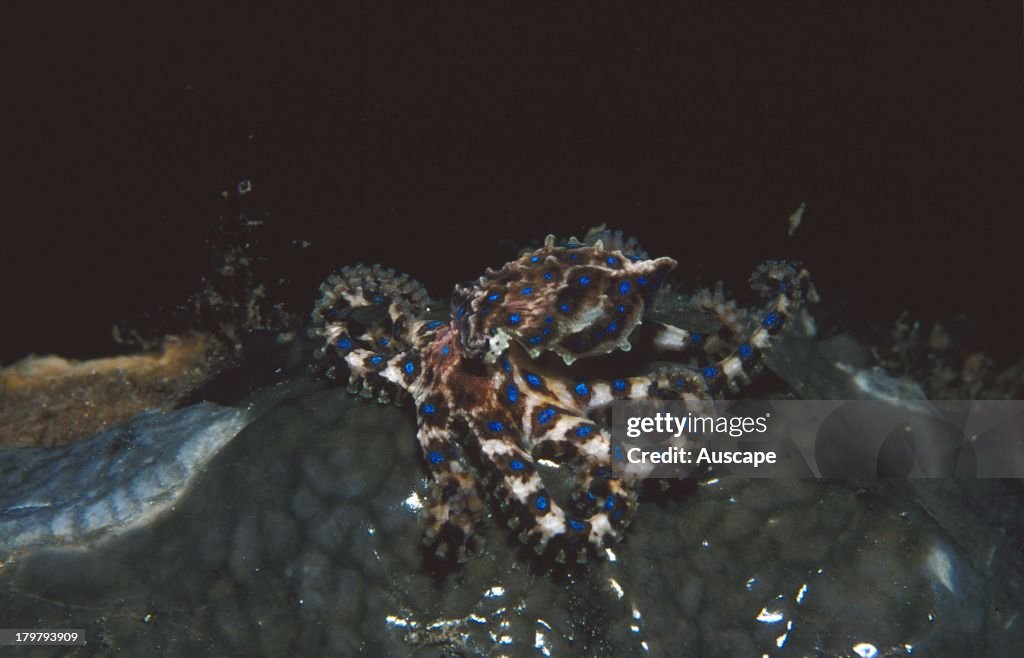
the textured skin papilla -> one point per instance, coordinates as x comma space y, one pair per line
480, 374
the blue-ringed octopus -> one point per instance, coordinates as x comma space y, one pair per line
501, 371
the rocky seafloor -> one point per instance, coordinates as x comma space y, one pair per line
300, 536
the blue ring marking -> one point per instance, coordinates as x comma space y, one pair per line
576, 525
584, 280
376, 359
696, 339
444, 350
770, 320
384, 341
546, 415
564, 308
535, 259
612, 260
620, 308
609, 502
533, 380
572, 256
546, 330
549, 319
528, 291
512, 393
581, 388
590, 497
549, 276
462, 311
612, 327
409, 367
344, 343
617, 513
514, 318
534, 340
495, 425
516, 465
619, 453
379, 299
428, 408
746, 350
493, 297
434, 324
435, 457
710, 372
642, 281
625, 287
542, 502
584, 430
506, 366
619, 384
679, 382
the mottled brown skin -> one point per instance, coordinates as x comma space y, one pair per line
480, 376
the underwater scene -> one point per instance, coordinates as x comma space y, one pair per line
390, 331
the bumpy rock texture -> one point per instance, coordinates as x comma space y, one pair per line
302, 538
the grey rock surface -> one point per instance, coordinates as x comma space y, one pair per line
301, 537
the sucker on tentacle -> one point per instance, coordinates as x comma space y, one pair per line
482, 373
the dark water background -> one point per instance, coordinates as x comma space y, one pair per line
436, 141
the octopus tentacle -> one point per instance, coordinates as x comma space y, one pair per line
368, 308
454, 507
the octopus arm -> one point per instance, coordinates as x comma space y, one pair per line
454, 507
